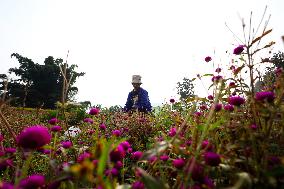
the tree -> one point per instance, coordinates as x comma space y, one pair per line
41, 85
185, 89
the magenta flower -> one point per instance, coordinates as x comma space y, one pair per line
117, 154
83, 156
88, 120
238, 50
66, 144
33, 181
125, 145
236, 100
217, 107
118, 165
102, 126
172, 100
116, 133
212, 159
34, 137
208, 182
218, 70
197, 114
203, 107
253, 126
94, 111
7, 185
265, 96
56, 128
206, 144
178, 163
136, 155
4, 164
172, 132
137, 185
208, 59
232, 84
210, 97
229, 107
10, 150
164, 157
113, 172
53, 121
278, 71
216, 78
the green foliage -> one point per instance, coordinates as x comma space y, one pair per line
40, 85
185, 88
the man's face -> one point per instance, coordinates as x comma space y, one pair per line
136, 86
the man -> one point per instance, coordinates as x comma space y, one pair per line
138, 98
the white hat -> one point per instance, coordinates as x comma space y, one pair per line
136, 79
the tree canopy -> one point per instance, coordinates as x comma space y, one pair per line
40, 85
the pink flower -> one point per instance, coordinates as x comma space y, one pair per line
88, 120
34, 137
232, 84
210, 97
66, 144
212, 158
117, 154
164, 157
236, 100
208, 59
53, 121
94, 111
116, 133
172, 132
125, 145
102, 126
56, 128
172, 100
218, 70
137, 185
229, 107
136, 155
253, 126
33, 181
265, 96
238, 50
217, 107
83, 156
178, 163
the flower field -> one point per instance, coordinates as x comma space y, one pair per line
234, 138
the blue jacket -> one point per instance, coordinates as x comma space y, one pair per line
138, 100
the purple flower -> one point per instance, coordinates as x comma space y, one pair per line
66, 144
117, 154
34, 137
232, 84
125, 145
236, 100
238, 50
217, 107
94, 111
88, 120
4, 164
1, 137
206, 144
278, 71
53, 121
164, 157
253, 126
102, 126
178, 163
216, 78
136, 155
212, 158
218, 70
83, 156
210, 97
172, 132
203, 107
229, 107
113, 172
10, 150
172, 100
6, 185
208, 182
56, 128
33, 181
137, 185
116, 133
208, 59
265, 96
197, 114
118, 165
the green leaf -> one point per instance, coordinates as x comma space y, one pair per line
149, 181
160, 147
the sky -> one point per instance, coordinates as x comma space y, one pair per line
111, 40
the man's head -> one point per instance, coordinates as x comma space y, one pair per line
136, 81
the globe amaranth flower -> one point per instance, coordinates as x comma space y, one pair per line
4, 164
34, 137
253, 126
102, 126
206, 145
217, 107
10, 150
88, 120
56, 128
265, 96
94, 111
172, 132
33, 181
53, 121
236, 100
210, 97
118, 165
208, 59
178, 163
113, 172
66, 144
164, 157
6, 185
232, 84
238, 50
229, 107
125, 145
117, 154
218, 70
83, 156
116, 133
216, 78
212, 158
203, 107
172, 100
136, 155
137, 185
